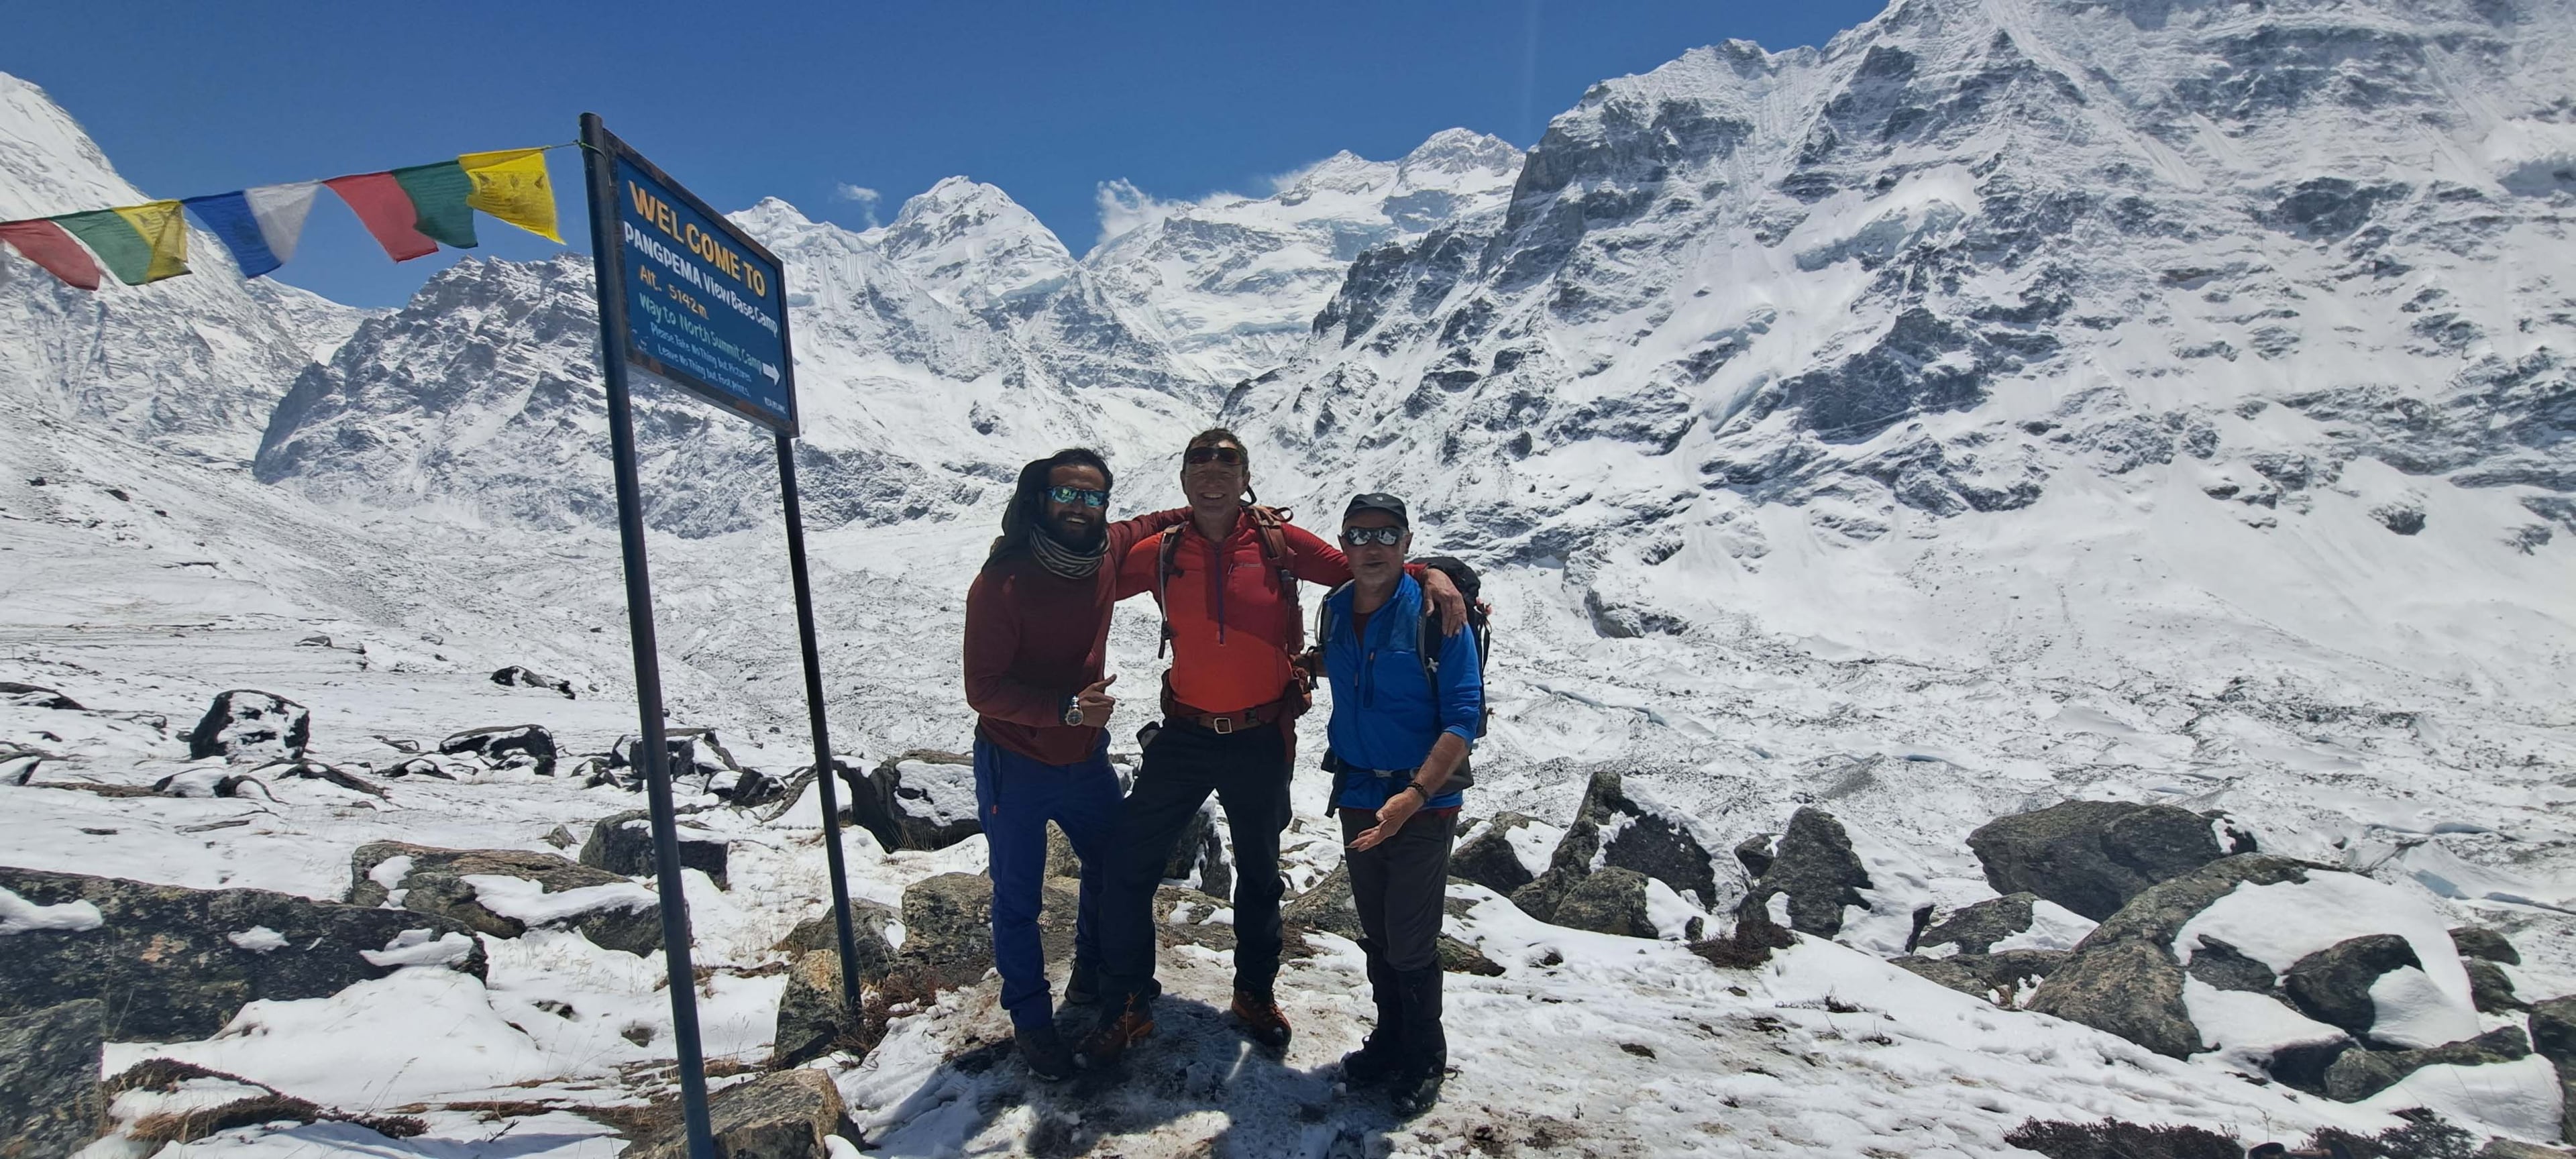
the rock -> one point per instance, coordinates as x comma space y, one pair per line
1615, 828
213, 782
35, 696
2092, 856
2481, 942
785, 1115
1457, 957
1755, 853
1200, 856
623, 845
613, 912
496, 745
692, 751
2001, 978
1540, 898
50, 1102
746, 788
2553, 1037
2503, 1148
948, 927
1816, 870
814, 1015
2359, 1074
2123, 978
515, 676
311, 770
317, 640
2333, 984
922, 800
245, 724
868, 922
1976, 928
1328, 906
2490, 989
176, 964
1061, 860
1488, 857
1181, 916
1610, 901
2227, 968
417, 767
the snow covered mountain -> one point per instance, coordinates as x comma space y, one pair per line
191, 364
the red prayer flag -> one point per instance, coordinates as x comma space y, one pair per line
48, 245
387, 211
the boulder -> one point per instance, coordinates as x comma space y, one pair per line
497, 745
814, 1015
1615, 827
1489, 858
175, 964
1457, 957
1816, 870
1328, 906
2333, 984
2553, 1037
746, 788
2001, 978
34, 696
1061, 860
50, 1101
505, 892
302, 769
922, 800
1181, 916
948, 927
2224, 966
623, 845
2092, 856
2123, 978
2481, 943
518, 677
785, 1115
417, 767
2359, 1074
868, 922
212, 782
1974, 929
1200, 856
1755, 853
245, 724
1610, 901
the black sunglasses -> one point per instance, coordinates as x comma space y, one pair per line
1089, 497
1388, 536
1230, 456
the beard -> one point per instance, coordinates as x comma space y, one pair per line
1081, 542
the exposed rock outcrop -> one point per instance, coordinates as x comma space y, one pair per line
505, 892
249, 725
2092, 856
50, 1102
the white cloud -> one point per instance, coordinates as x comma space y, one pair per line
866, 198
1123, 207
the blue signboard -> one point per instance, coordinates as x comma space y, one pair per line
705, 306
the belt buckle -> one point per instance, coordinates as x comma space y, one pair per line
1224, 725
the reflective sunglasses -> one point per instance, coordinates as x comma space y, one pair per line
1386, 536
1230, 456
1089, 498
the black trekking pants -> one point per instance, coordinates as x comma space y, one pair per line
1248, 772
1402, 885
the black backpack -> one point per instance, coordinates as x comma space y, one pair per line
1427, 647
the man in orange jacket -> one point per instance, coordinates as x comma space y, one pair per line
1226, 581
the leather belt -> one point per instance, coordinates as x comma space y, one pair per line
1227, 723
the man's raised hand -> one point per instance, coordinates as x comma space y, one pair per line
1096, 703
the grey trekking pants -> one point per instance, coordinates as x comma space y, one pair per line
1402, 885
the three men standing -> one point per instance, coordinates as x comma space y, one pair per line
1225, 574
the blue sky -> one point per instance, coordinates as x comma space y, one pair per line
744, 100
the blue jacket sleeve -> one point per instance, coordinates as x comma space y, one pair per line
1462, 686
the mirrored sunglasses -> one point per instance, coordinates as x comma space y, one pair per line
1230, 456
1089, 498
1387, 536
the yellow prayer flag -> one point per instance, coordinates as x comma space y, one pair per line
510, 184
165, 231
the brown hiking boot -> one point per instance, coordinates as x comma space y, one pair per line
1261, 1020
1106, 1042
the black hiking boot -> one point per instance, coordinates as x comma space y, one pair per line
1044, 1050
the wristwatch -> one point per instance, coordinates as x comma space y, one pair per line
1072, 710
1416, 786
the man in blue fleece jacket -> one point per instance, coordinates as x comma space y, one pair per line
1401, 728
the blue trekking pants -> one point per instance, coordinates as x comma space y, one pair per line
1015, 796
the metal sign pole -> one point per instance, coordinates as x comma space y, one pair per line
652, 752
824, 773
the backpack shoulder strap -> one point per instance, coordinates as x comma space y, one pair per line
1166, 554
1269, 523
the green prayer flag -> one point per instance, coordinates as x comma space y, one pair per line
438, 194
114, 240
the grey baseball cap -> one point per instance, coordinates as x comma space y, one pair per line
1379, 501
